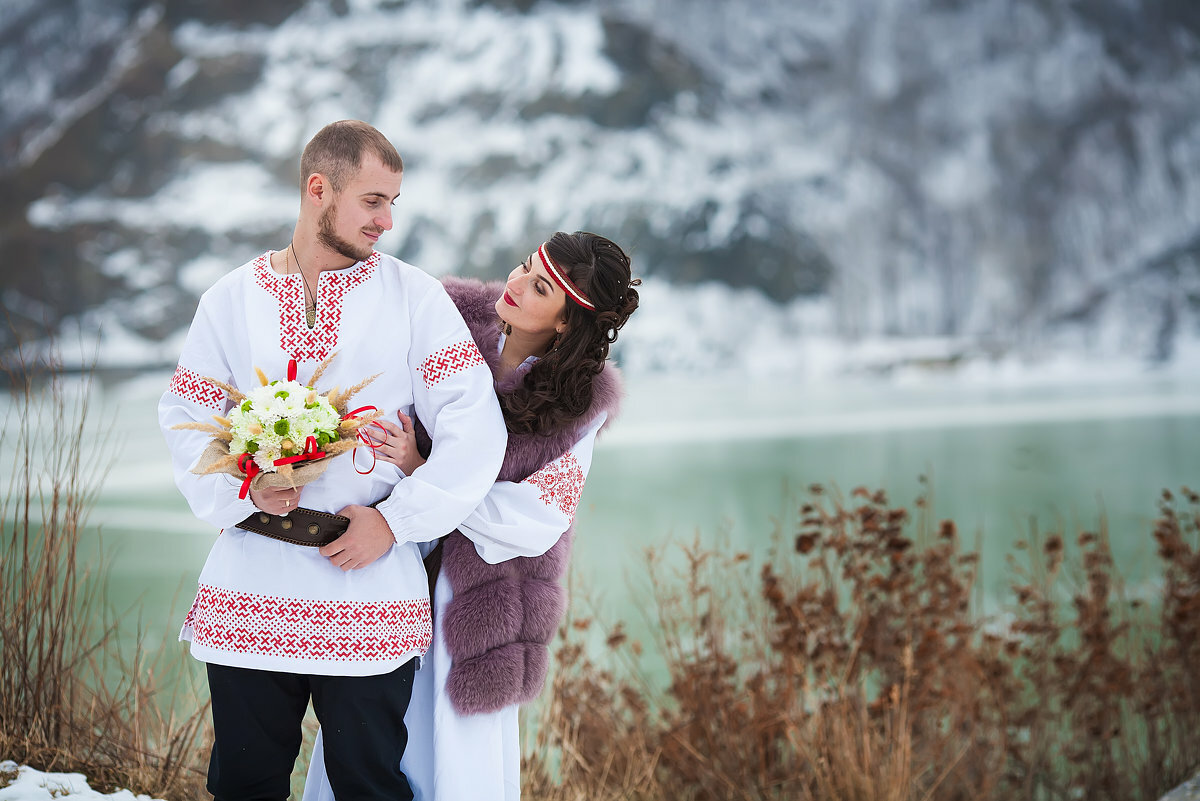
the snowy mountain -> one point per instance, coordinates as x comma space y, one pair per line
801, 181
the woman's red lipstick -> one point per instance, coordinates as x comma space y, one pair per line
508, 299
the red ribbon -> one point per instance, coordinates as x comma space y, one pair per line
309, 453
250, 467
365, 439
291, 370
247, 465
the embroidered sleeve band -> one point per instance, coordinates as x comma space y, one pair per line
450, 360
192, 387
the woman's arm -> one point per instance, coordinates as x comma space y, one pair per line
516, 518
525, 518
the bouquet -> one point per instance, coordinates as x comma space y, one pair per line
283, 433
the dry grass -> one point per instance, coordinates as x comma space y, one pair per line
852, 665
60, 707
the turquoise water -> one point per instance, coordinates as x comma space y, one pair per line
993, 481
729, 462
998, 461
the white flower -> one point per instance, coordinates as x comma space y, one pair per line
278, 411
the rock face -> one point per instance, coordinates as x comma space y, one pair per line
1024, 176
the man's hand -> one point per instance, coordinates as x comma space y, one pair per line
276, 500
367, 538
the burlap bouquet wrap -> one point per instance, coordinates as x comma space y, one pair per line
303, 464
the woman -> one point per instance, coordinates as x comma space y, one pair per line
545, 333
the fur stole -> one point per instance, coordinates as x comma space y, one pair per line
499, 624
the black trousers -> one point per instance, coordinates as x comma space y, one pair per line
257, 717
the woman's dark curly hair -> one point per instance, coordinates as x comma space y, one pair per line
557, 391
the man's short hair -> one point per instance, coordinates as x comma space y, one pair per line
337, 152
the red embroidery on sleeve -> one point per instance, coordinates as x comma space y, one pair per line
190, 386
450, 360
561, 483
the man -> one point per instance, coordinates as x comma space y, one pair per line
340, 621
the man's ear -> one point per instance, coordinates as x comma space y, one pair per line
316, 188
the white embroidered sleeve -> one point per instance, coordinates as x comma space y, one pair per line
526, 518
454, 398
190, 399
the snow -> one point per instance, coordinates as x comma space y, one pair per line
35, 785
202, 197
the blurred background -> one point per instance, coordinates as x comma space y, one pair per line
883, 241
822, 187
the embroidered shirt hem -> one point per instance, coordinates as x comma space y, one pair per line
314, 667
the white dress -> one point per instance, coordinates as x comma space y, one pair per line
452, 757
267, 604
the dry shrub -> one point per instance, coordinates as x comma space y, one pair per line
852, 665
69, 699
586, 705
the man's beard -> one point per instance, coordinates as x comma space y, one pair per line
329, 238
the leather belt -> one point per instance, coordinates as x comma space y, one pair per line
300, 526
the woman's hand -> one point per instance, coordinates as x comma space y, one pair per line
276, 500
400, 445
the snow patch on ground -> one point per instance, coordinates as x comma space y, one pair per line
34, 785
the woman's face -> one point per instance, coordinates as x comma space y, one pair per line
531, 302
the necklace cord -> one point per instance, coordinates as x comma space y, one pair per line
310, 312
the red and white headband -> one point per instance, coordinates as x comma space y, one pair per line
563, 281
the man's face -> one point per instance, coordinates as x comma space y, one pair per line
359, 214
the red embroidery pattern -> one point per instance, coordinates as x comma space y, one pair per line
561, 483
191, 615
295, 337
450, 360
190, 386
340, 631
